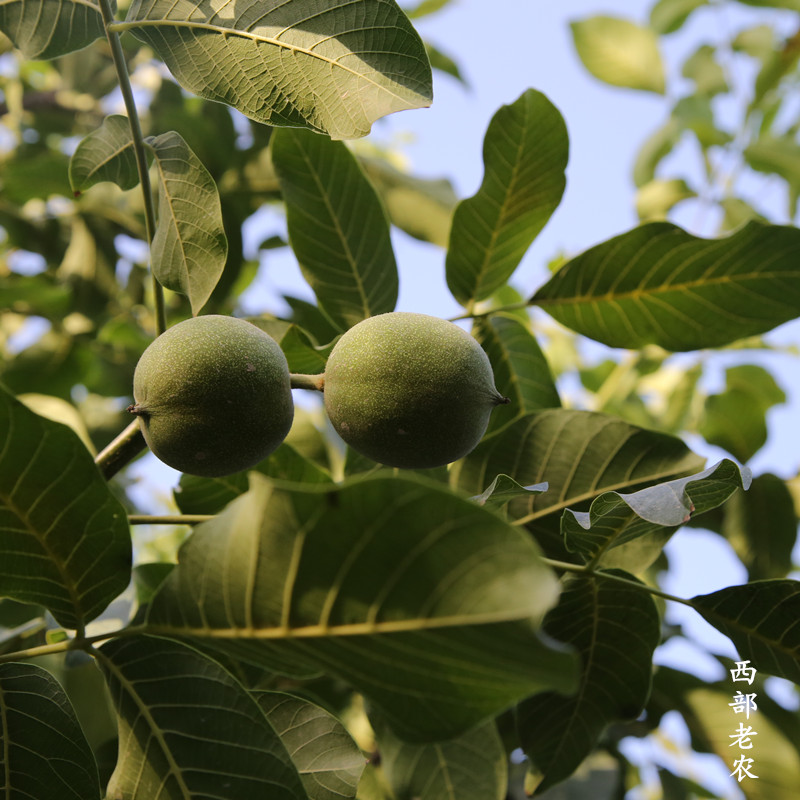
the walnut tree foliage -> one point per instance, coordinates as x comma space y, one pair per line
322, 627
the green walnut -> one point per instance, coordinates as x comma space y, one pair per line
213, 395
409, 390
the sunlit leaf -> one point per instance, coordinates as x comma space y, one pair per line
334, 68
521, 371
323, 752
45, 29
616, 519
655, 148
778, 156
421, 207
417, 597
667, 16
189, 246
106, 154
619, 52
703, 68
444, 63
44, 752
615, 628
658, 284
657, 198
470, 767
65, 542
188, 729
761, 620
337, 227
525, 155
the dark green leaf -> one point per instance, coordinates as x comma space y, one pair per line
45, 29
189, 246
616, 628
106, 154
658, 284
761, 525
65, 542
525, 155
521, 371
197, 495
761, 620
417, 597
38, 295
337, 227
619, 52
736, 419
580, 454
188, 729
471, 767
617, 519
323, 752
43, 751
334, 68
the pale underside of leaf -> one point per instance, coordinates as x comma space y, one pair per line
45, 29
333, 67
189, 247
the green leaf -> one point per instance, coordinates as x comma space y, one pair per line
425, 7
615, 628
502, 489
525, 155
444, 63
703, 68
793, 5
188, 729
616, 519
778, 156
580, 454
521, 371
619, 52
655, 148
760, 618
668, 16
470, 767
65, 540
106, 154
40, 295
736, 419
658, 284
333, 68
761, 526
44, 753
323, 752
189, 246
419, 598
776, 761
421, 207
45, 29
654, 200
337, 227
285, 466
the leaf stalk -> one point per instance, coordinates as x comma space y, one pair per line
142, 166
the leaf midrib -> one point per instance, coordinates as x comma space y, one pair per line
120, 27
640, 293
